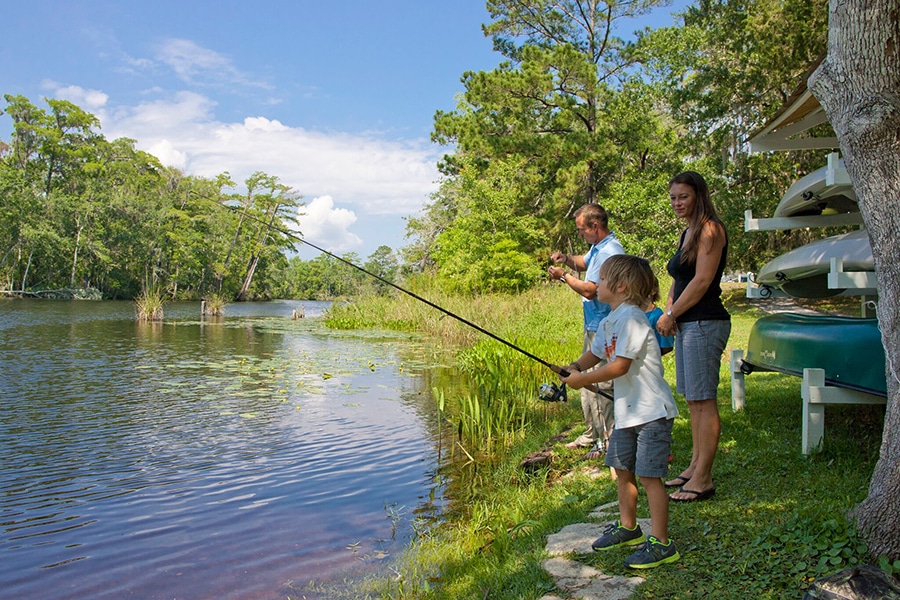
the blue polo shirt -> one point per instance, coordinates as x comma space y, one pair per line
594, 310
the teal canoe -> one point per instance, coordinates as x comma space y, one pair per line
848, 349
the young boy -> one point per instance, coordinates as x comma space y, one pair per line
644, 408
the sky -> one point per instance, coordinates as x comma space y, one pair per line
335, 98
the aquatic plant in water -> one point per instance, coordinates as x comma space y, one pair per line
214, 305
149, 305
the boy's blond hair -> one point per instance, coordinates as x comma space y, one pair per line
637, 275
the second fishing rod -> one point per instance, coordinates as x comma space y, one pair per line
548, 392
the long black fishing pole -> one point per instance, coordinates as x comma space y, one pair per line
554, 368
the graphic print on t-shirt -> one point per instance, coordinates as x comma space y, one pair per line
609, 347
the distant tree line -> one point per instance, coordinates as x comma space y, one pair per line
80, 211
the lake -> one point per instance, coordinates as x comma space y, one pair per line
237, 457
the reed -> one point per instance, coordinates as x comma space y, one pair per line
149, 304
502, 401
214, 305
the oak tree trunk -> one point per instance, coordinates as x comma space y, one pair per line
858, 85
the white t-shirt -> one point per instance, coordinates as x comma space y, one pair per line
642, 394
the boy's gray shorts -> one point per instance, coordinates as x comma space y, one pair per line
698, 357
644, 449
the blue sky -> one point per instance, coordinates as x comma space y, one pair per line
335, 98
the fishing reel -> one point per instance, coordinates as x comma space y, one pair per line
550, 392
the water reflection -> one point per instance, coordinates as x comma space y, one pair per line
201, 458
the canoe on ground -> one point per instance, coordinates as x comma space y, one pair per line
811, 195
848, 349
803, 272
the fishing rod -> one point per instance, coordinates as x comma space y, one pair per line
556, 369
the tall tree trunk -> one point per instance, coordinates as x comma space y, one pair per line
78, 229
858, 85
254, 261
27, 268
237, 231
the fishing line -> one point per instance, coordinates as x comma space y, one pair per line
291, 235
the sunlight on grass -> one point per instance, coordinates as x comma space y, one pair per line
778, 521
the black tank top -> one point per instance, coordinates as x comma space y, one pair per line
710, 307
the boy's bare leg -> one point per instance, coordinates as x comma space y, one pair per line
658, 500
628, 493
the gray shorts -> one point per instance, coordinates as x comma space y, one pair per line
643, 450
698, 358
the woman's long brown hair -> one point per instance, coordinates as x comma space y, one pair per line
704, 212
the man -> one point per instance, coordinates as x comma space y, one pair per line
592, 222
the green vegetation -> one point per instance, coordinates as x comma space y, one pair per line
574, 114
149, 305
78, 211
778, 521
214, 305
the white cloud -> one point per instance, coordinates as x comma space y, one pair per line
362, 173
374, 175
328, 227
168, 155
88, 100
194, 64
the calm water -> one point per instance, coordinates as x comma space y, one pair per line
234, 458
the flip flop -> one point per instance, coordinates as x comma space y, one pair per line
681, 480
698, 496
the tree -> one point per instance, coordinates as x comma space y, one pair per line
490, 246
79, 210
383, 263
564, 115
858, 85
723, 73
267, 208
278, 205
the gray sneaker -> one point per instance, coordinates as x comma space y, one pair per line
615, 535
653, 554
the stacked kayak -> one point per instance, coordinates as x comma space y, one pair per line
803, 272
812, 195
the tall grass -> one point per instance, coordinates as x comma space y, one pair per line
149, 304
508, 317
214, 305
502, 402
778, 521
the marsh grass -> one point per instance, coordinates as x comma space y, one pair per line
214, 305
148, 305
778, 521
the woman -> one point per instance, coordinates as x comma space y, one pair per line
696, 316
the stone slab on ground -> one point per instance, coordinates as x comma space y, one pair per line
583, 581
575, 538
578, 580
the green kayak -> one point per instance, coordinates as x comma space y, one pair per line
848, 349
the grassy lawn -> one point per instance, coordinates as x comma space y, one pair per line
778, 521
